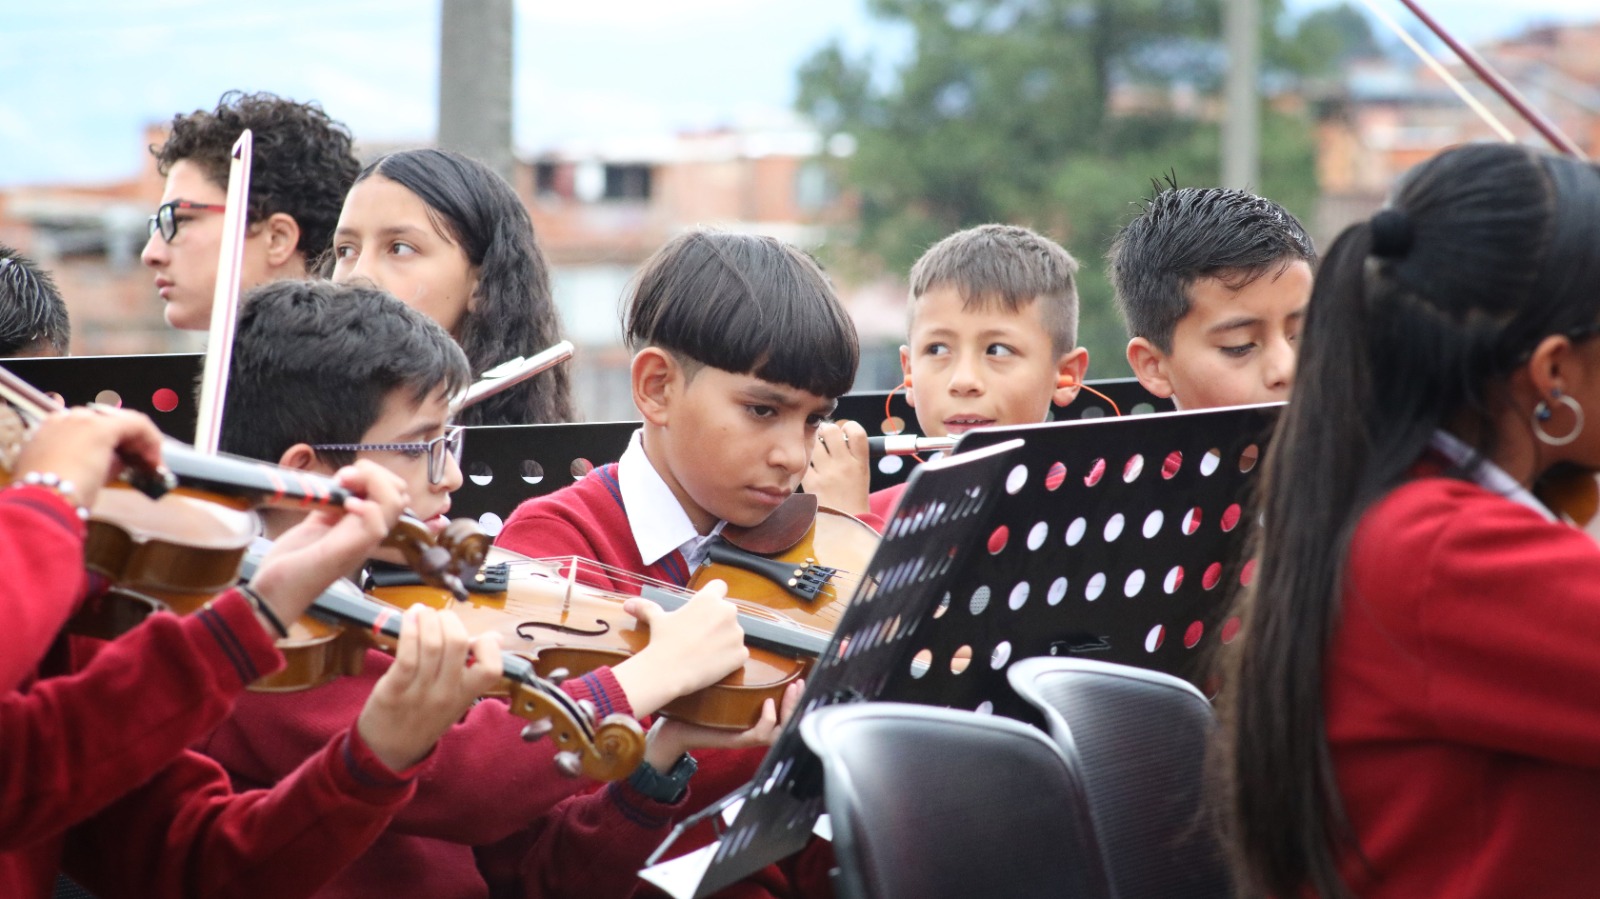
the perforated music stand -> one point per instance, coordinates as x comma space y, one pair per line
1114, 539
932, 534
502, 465
867, 406
160, 386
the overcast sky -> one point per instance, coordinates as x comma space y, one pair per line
80, 78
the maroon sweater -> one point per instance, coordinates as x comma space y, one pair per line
613, 838
1463, 697
95, 779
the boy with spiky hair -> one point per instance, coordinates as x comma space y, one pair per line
33, 318
1213, 284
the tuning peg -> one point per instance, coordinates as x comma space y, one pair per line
568, 764
557, 676
536, 730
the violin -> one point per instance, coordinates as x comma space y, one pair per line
174, 538
344, 622
552, 611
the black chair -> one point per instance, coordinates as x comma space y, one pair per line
1139, 740
933, 803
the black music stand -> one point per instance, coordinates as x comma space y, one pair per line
160, 386
502, 465
937, 527
867, 407
1116, 539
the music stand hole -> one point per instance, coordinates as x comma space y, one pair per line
532, 472
479, 473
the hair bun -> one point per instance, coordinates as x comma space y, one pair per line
1391, 234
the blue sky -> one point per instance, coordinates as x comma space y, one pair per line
80, 78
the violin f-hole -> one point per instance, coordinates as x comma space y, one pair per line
603, 629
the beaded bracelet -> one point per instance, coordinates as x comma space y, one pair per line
259, 603
58, 485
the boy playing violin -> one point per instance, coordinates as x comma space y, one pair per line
1213, 285
322, 374
742, 350
991, 340
95, 778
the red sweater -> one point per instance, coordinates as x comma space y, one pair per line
482, 785
37, 531
882, 505
613, 836
95, 778
1463, 697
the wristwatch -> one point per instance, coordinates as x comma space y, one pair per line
666, 788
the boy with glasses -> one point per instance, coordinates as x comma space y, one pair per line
325, 374
302, 168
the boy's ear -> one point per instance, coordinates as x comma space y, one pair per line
1149, 365
282, 233
655, 378
905, 370
301, 457
1071, 369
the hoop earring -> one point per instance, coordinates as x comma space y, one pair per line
1542, 414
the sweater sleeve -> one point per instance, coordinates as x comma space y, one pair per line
41, 553
482, 782
186, 833
1503, 621
75, 743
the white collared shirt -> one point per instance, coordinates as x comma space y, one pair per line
1485, 473
655, 516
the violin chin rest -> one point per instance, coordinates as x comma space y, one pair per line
785, 527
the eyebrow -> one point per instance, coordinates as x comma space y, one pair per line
390, 231
773, 396
1233, 324
416, 434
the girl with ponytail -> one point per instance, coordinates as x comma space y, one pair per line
1413, 707
451, 239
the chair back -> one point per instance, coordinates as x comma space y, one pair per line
1139, 740
932, 803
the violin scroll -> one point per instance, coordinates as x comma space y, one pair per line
606, 750
447, 561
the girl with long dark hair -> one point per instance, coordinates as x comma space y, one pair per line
1413, 708
452, 240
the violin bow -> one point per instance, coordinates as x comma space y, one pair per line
225, 298
1486, 73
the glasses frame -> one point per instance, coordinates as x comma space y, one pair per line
446, 445
165, 220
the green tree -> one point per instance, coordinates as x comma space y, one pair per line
1003, 111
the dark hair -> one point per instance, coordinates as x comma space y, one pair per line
745, 304
1008, 265
303, 163
31, 309
1488, 250
513, 312
313, 362
1187, 233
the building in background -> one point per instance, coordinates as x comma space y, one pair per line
1387, 115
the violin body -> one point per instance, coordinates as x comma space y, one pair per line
549, 612
174, 553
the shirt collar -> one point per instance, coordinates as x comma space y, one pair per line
1485, 473
657, 519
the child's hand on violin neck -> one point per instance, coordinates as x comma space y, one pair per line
669, 739
690, 648
84, 447
328, 545
840, 475
438, 672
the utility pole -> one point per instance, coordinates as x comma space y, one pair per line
1241, 124
475, 80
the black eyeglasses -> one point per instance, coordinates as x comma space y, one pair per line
439, 449
165, 222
